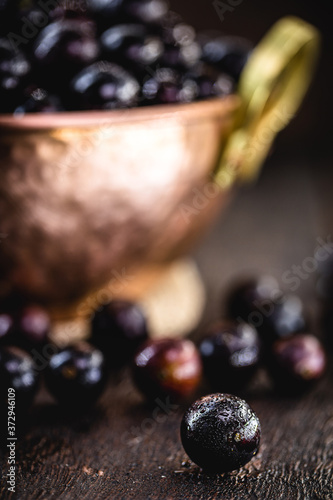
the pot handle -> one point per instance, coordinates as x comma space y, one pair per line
272, 86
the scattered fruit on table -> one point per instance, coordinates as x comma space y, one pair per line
263, 327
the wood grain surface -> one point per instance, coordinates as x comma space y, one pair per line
124, 449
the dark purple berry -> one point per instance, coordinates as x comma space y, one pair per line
287, 318
251, 295
220, 432
131, 46
167, 367
228, 54
181, 49
179, 33
230, 353
210, 83
297, 362
180, 58
76, 375
162, 88
62, 49
118, 329
260, 303
18, 372
106, 54
104, 85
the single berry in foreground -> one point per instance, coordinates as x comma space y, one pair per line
230, 353
220, 432
167, 367
76, 375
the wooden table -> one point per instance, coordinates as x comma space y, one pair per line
124, 450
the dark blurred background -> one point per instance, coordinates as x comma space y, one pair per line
310, 132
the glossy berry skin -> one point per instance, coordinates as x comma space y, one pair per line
181, 49
63, 48
297, 362
118, 329
210, 84
104, 85
18, 371
260, 303
131, 46
174, 57
76, 375
220, 432
230, 353
162, 88
167, 367
227, 53
105, 55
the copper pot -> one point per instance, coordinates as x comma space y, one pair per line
89, 197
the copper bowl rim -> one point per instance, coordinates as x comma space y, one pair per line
199, 110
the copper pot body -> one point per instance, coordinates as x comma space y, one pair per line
88, 198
